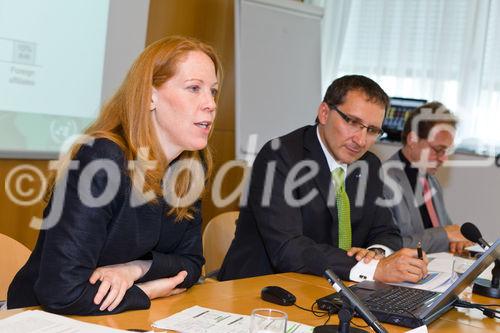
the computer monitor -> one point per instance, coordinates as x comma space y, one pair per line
396, 116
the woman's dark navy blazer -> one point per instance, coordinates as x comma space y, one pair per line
57, 273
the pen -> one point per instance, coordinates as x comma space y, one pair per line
419, 251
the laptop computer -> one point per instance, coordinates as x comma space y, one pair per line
412, 307
396, 116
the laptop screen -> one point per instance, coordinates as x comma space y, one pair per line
396, 116
486, 259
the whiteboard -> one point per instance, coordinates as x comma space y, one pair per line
278, 70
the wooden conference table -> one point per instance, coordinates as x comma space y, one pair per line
241, 296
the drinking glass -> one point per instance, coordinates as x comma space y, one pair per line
268, 321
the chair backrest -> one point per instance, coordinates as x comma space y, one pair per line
13, 255
217, 238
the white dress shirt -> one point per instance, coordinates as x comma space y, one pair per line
361, 271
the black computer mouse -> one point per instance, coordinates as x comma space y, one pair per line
277, 295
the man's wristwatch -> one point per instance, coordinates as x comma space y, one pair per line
378, 250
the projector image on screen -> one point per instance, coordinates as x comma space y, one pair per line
53, 74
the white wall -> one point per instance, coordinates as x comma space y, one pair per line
472, 193
278, 70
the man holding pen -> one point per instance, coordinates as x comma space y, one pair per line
303, 196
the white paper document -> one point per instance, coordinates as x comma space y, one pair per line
476, 248
199, 319
440, 262
420, 329
462, 264
434, 281
36, 321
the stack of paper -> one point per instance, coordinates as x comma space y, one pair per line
462, 264
199, 319
39, 321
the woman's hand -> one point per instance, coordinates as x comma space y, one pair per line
164, 287
365, 254
116, 280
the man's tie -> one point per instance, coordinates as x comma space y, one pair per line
428, 202
343, 208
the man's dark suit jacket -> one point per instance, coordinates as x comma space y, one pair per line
57, 273
273, 238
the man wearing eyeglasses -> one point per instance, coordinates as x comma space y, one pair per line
418, 206
316, 189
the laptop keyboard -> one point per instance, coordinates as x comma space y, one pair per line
398, 299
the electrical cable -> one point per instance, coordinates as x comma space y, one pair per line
317, 313
329, 315
491, 313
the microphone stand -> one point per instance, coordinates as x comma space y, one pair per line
485, 287
345, 315
350, 302
482, 286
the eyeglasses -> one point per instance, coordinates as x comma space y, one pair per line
440, 151
356, 125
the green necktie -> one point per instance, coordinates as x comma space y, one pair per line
343, 208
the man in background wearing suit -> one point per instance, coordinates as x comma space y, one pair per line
294, 207
419, 210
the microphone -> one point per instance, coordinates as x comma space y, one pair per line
472, 233
356, 303
317, 263
481, 286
